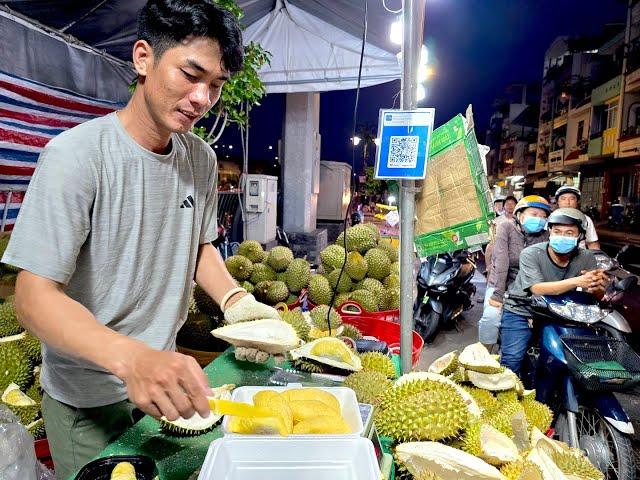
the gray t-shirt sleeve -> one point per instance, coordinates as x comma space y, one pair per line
55, 217
209, 230
530, 272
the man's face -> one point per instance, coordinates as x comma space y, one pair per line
509, 206
183, 84
568, 200
565, 230
497, 207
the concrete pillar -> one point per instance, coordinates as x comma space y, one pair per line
301, 162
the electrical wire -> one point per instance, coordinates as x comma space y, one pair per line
353, 157
384, 4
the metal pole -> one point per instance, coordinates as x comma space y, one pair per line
413, 25
623, 78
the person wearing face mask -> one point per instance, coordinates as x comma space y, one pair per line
528, 228
549, 268
568, 196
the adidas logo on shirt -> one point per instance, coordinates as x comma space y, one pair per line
188, 203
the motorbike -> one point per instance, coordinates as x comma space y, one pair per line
445, 291
616, 219
577, 360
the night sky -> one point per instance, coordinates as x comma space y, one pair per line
477, 48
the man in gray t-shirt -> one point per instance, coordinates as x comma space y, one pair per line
549, 268
115, 227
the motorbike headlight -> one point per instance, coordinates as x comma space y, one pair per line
577, 312
604, 262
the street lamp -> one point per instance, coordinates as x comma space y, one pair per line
355, 140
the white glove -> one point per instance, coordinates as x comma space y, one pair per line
247, 309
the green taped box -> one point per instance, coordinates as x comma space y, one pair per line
453, 208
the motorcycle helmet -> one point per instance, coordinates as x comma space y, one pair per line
568, 216
499, 198
532, 201
568, 189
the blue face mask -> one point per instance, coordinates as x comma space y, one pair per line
534, 224
562, 245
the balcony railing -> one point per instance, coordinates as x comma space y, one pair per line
632, 131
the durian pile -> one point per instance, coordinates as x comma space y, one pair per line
20, 360
298, 411
204, 315
8, 273
273, 277
371, 275
468, 417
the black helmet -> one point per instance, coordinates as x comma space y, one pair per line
568, 216
510, 197
568, 189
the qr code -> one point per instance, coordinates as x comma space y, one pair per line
403, 152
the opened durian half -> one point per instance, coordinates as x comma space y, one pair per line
271, 336
329, 351
197, 425
477, 358
19, 403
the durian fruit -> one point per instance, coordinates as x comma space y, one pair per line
393, 302
366, 299
196, 334
546, 465
356, 266
252, 250
374, 286
389, 249
358, 238
291, 299
277, 292
248, 286
477, 358
340, 281
489, 444
332, 257
35, 391
341, 298
297, 275
507, 396
395, 268
447, 463
261, 290
378, 362
574, 462
378, 262
270, 336
262, 273
351, 332
472, 405
368, 385
502, 419
8, 321
239, 267
429, 415
330, 351
19, 403
296, 319
281, 277
494, 382
193, 306
538, 414
204, 302
14, 366
32, 347
374, 229
36, 428
487, 402
392, 281
320, 291
322, 424
322, 314
197, 425
279, 258
445, 365
521, 469
306, 365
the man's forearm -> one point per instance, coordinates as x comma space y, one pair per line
212, 274
67, 326
553, 288
593, 245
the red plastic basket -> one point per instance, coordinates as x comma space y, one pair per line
354, 309
43, 453
385, 330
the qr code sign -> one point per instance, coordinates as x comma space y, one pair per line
403, 152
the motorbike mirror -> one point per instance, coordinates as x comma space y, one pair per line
625, 284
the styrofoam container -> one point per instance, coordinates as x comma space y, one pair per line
232, 458
346, 397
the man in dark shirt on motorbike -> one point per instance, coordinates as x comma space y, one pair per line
548, 268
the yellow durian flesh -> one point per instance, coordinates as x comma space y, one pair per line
123, 471
325, 424
329, 351
274, 401
259, 425
306, 409
301, 394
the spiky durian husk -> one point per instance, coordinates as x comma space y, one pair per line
172, 428
538, 414
501, 420
485, 400
305, 365
26, 414
321, 313
513, 470
507, 396
368, 385
193, 307
431, 415
14, 366
378, 362
471, 439
351, 332
37, 429
574, 462
34, 392
32, 347
204, 303
458, 375
296, 319
9, 324
407, 389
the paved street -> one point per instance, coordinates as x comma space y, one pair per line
467, 333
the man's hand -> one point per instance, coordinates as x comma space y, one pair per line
247, 308
593, 279
165, 383
495, 303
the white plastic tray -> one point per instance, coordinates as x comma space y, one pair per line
232, 458
346, 397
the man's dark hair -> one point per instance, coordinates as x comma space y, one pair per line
165, 23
